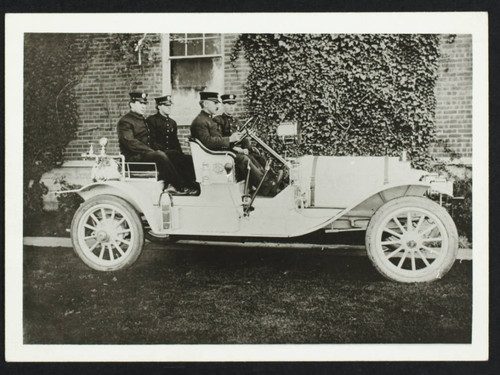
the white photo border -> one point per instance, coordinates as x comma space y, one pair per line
474, 23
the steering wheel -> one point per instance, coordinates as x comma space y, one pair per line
248, 126
243, 127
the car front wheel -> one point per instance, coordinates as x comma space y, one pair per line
412, 239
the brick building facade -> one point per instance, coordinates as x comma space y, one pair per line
103, 92
454, 96
102, 96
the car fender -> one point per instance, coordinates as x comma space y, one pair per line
147, 204
367, 207
364, 208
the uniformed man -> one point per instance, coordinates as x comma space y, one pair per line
135, 142
207, 132
164, 138
228, 123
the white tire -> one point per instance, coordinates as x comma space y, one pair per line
412, 239
107, 233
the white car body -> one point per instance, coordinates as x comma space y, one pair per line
328, 193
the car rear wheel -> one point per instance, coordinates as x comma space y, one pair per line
412, 239
107, 233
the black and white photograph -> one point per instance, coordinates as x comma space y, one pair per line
255, 190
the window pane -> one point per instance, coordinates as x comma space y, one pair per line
177, 48
212, 35
195, 35
196, 73
195, 47
212, 47
189, 77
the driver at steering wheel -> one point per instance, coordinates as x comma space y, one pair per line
229, 124
207, 132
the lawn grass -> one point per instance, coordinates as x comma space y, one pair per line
231, 295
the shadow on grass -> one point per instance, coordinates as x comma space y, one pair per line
232, 295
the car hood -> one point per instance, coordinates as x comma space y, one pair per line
340, 181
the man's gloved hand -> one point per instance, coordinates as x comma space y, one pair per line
235, 137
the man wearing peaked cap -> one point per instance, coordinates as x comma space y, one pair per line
212, 96
134, 138
141, 97
163, 127
164, 138
206, 130
167, 99
133, 133
228, 98
228, 124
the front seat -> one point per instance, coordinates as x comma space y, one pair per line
212, 166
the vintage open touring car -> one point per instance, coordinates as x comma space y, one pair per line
409, 237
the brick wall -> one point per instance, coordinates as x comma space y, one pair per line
103, 94
103, 99
454, 96
235, 74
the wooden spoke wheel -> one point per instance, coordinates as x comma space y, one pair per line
412, 239
107, 233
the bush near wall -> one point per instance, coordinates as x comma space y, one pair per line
461, 207
351, 94
461, 210
53, 65
56, 70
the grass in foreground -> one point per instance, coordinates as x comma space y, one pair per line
208, 295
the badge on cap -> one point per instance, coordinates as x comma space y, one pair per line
139, 97
228, 98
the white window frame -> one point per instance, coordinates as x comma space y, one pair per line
167, 59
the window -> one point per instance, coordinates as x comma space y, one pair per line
193, 63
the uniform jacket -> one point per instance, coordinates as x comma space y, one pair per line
207, 132
133, 135
230, 124
227, 124
163, 133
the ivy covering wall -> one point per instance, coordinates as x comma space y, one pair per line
350, 94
